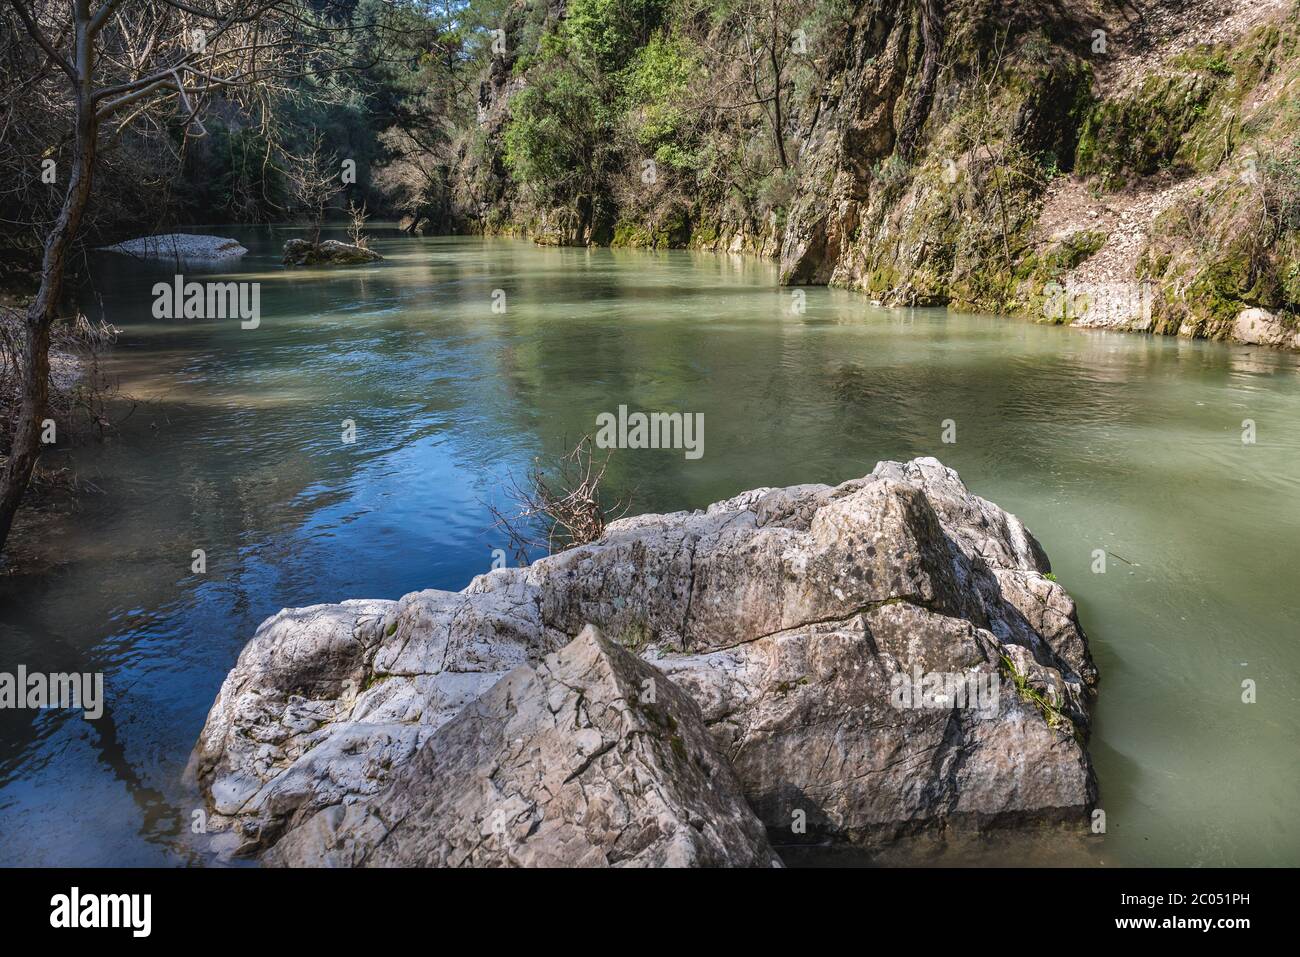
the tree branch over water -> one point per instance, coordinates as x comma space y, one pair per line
127, 62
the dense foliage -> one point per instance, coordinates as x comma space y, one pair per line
474, 114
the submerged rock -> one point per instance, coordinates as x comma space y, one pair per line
329, 252
812, 626
183, 247
591, 757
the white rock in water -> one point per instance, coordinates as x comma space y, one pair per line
790, 616
184, 246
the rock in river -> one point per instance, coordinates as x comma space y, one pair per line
330, 252
873, 659
591, 757
181, 247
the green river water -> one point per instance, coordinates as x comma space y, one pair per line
1097, 440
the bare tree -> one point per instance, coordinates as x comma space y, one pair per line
447, 41
109, 64
313, 183
766, 50
417, 175
357, 227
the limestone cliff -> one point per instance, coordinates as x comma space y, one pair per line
1096, 163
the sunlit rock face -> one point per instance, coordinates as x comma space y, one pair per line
872, 659
180, 247
590, 758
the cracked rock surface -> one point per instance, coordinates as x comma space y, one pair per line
789, 616
589, 758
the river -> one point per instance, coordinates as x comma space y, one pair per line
234, 444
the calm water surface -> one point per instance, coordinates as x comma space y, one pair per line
1096, 440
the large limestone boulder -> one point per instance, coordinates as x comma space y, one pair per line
589, 758
809, 717
326, 701
793, 617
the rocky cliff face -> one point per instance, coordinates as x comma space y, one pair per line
1093, 164
946, 118
873, 659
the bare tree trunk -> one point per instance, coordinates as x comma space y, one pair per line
25, 441
778, 121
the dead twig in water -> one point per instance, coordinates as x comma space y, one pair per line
559, 510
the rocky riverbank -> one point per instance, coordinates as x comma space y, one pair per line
78, 391
66, 367
1091, 164
844, 665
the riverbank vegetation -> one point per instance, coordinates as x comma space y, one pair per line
971, 152
77, 403
920, 151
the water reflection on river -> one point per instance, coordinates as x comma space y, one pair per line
1096, 440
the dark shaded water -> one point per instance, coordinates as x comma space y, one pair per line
1097, 440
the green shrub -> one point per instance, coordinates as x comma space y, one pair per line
557, 134
654, 86
607, 32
